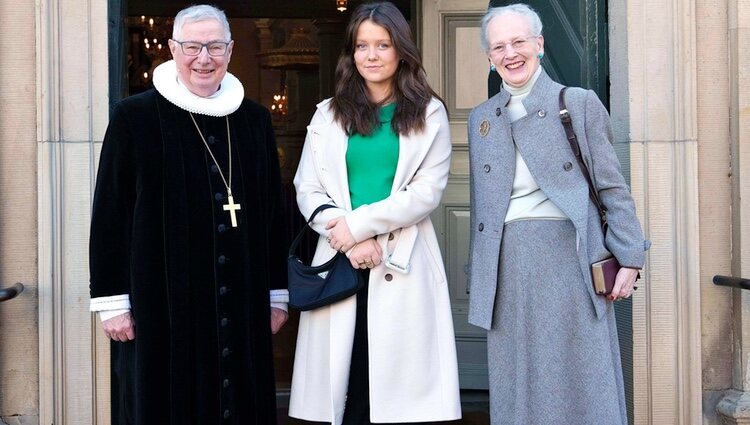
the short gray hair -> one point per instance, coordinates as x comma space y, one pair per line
201, 12
523, 10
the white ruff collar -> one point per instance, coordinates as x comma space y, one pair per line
225, 101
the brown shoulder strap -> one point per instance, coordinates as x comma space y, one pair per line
573, 140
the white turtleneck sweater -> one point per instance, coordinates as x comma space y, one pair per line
527, 201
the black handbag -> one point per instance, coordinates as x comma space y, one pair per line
312, 287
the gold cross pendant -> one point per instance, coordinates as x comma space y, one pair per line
232, 208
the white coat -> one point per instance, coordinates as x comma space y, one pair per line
412, 354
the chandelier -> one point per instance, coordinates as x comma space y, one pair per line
279, 104
341, 5
151, 35
299, 53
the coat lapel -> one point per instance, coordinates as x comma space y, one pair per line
541, 140
329, 143
412, 149
495, 150
506, 155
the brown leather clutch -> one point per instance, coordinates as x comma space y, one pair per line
603, 274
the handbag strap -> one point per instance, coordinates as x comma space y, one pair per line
573, 140
304, 230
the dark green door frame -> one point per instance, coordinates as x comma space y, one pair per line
118, 56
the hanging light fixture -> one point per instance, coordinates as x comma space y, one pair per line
279, 103
341, 5
151, 34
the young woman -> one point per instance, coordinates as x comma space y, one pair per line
379, 150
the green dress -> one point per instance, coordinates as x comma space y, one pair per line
371, 161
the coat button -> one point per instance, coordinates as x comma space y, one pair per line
223, 290
214, 168
211, 140
227, 414
487, 168
222, 259
226, 383
542, 113
388, 277
497, 112
225, 352
219, 196
224, 322
390, 236
221, 228
481, 226
567, 166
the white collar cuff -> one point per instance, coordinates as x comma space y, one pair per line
225, 101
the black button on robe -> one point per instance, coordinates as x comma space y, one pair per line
199, 288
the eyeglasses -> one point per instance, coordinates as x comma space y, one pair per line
193, 48
517, 44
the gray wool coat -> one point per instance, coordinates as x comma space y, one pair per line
541, 140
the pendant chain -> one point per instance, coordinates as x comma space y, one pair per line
228, 184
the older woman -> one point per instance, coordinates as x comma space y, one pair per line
552, 342
379, 151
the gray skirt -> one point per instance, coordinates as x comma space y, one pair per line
551, 361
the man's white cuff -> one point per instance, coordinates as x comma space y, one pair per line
108, 314
114, 302
279, 295
280, 299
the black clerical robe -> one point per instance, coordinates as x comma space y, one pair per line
199, 288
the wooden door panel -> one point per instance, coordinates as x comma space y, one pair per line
457, 68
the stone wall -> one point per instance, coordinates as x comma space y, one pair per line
715, 193
19, 371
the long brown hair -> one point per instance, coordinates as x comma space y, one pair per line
351, 104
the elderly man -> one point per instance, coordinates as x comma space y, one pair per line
186, 241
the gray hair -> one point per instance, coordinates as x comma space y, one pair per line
523, 10
201, 12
